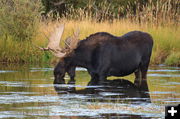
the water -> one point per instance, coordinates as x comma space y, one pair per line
29, 92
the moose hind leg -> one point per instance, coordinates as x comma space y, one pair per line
143, 85
144, 68
137, 80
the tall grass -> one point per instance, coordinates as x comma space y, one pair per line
166, 39
153, 12
156, 12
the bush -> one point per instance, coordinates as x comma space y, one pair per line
19, 22
173, 59
19, 18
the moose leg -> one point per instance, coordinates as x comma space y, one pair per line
144, 68
143, 85
71, 73
137, 80
104, 64
103, 72
103, 75
59, 79
94, 79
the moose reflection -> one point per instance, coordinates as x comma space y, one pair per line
113, 90
108, 116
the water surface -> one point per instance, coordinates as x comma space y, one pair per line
29, 92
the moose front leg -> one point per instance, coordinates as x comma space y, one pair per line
104, 66
94, 79
94, 76
59, 79
103, 73
71, 73
97, 78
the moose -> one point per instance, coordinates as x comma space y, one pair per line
102, 54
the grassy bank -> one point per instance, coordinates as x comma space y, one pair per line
166, 41
22, 29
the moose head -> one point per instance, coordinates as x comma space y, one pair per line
62, 53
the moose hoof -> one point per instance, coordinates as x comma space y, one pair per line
104, 82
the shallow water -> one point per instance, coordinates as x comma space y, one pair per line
29, 92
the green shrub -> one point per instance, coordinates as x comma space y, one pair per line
19, 22
173, 59
19, 18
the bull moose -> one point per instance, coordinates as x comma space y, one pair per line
102, 54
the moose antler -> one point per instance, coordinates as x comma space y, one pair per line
71, 42
54, 41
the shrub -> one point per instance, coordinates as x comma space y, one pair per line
173, 59
19, 18
19, 21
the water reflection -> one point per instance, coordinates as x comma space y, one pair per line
114, 90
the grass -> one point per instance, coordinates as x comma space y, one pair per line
166, 41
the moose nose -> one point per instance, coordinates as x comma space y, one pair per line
59, 79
